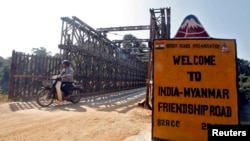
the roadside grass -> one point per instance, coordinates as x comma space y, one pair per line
4, 98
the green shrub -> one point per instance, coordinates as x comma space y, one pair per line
3, 98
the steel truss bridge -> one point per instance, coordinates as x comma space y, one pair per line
100, 65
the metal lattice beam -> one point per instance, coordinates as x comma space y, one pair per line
101, 65
124, 28
137, 40
158, 30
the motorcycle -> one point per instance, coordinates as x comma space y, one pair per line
49, 93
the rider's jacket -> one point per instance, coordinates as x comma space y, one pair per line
67, 74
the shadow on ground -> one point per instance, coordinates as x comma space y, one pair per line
56, 106
121, 103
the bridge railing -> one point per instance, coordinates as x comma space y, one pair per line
28, 73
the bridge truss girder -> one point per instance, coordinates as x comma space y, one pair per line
159, 29
99, 64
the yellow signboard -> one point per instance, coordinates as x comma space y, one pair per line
195, 84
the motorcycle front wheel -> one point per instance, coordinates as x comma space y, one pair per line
44, 98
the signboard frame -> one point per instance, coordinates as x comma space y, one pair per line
157, 45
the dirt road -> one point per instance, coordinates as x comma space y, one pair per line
107, 120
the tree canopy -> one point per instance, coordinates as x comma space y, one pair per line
42, 51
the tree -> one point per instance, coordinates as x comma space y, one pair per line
244, 80
1, 61
129, 41
58, 55
243, 66
131, 44
40, 51
4, 73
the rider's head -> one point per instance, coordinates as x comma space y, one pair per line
66, 63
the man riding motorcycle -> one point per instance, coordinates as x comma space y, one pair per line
67, 77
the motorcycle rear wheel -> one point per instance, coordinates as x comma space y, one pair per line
44, 98
75, 96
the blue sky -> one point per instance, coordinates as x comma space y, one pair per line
27, 24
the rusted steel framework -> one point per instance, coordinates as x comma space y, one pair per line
138, 40
29, 72
159, 23
100, 65
159, 29
124, 28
